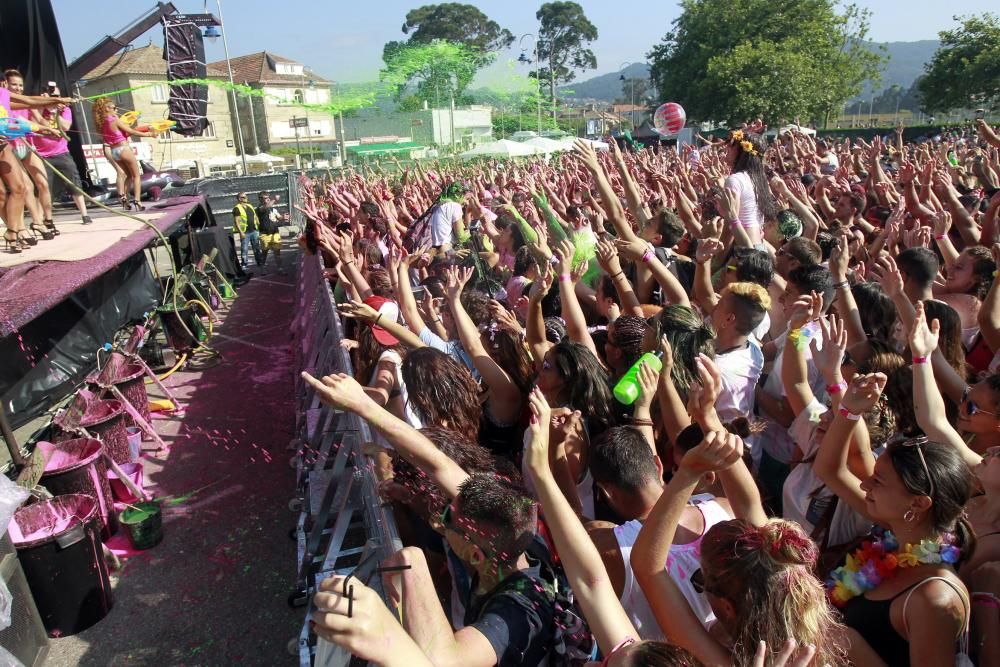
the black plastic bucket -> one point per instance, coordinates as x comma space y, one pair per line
59, 545
144, 524
78, 466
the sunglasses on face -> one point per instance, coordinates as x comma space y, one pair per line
698, 583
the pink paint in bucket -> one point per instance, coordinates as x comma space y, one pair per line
106, 420
119, 490
77, 466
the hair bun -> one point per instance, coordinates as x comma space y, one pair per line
787, 543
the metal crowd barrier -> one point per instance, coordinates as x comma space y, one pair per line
341, 517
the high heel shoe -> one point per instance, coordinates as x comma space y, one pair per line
10, 237
26, 241
51, 226
123, 200
43, 232
136, 206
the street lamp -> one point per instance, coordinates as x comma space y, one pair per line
523, 58
632, 88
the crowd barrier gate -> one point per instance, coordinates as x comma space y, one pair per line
341, 515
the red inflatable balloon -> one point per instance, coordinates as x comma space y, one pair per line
669, 119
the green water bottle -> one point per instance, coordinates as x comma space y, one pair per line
627, 389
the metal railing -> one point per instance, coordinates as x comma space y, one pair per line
341, 516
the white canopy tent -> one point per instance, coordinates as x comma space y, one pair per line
596, 145
502, 148
546, 145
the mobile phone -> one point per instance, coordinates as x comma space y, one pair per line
419, 291
980, 114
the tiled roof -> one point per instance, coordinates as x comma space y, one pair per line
141, 60
255, 68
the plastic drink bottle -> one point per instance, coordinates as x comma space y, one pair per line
627, 389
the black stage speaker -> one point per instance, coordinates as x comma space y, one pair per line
184, 51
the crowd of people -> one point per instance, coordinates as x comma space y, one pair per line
736, 404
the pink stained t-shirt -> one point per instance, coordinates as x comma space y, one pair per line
4, 102
51, 146
110, 133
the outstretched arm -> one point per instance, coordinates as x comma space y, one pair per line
587, 576
343, 392
717, 451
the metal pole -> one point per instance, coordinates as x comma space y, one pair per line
232, 91
452, 124
298, 147
538, 89
633, 105
253, 123
343, 153
86, 134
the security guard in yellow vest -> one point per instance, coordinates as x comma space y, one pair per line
248, 227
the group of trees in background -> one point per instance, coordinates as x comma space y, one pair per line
729, 60
723, 60
450, 42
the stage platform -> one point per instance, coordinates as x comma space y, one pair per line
35, 280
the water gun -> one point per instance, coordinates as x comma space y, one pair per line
129, 118
15, 128
157, 126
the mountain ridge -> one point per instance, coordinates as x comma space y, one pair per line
906, 63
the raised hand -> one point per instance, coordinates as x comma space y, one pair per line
728, 202
634, 249
541, 418
648, 379
607, 257
942, 223
564, 251
863, 392
704, 394
340, 391
923, 338
805, 309
829, 357
358, 310
718, 451
839, 258
456, 278
707, 249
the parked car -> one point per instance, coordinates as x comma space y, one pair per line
153, 181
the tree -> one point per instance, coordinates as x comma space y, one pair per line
454, 23
442, 70
563, 31
731, 60
634, 89
965, 70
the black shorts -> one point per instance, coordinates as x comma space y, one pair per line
65, 164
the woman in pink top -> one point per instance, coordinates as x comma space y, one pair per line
16, 237
39, 197
115, 135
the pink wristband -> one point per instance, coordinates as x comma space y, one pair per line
647, 256
919, 360
847, 414
836, 388
940, 237
565, 278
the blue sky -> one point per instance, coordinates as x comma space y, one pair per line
343, 39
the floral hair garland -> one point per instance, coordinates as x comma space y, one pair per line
738, 136
880, 559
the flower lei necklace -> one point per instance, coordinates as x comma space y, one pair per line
880, 559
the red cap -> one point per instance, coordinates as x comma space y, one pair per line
389, 310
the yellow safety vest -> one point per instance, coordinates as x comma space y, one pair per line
242, 218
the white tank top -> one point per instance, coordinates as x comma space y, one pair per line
682, 563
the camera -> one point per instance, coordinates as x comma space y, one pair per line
51, 87
980, 114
